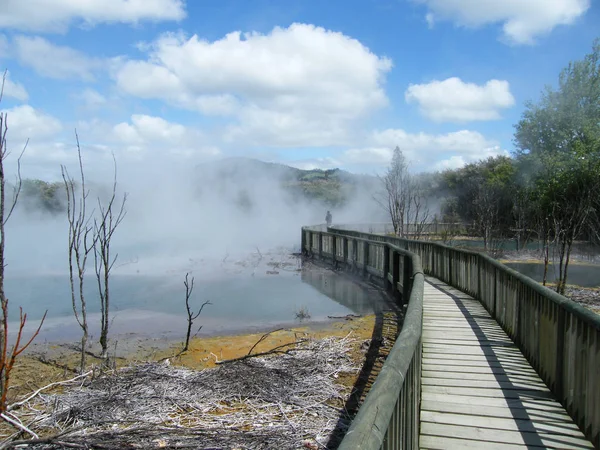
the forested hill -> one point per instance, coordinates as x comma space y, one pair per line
330, 187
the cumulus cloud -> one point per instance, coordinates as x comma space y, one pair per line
55, 61
522, 21
26, 122
453, 100
301, 85
14, 90
91, 98
58, 15
145, 136
426, 152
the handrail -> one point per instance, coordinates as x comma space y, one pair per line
559, 338
389, 417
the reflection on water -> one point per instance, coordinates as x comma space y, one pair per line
153, 305
347, 293
581, 275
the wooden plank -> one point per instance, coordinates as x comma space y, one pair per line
532, 413
442, 369
486, 435
546, 404
446, 443
499, 423
485, 384
488, 392
482, 376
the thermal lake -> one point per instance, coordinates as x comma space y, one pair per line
245, 295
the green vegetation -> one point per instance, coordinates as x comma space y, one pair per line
44, 196
549, 190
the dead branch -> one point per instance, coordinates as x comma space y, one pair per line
189, 288
51, 385
17, 423
273, 351
263, 337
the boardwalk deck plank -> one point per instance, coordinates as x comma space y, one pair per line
478, 390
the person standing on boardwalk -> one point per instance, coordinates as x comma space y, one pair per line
328, 219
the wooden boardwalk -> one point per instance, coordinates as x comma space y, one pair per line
478, 390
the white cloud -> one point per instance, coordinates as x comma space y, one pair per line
25, 122
55, 61
58, 15
148, 136
14, 90
453, 100
315, 163
522, 20
301, 85
426, 152
92, 99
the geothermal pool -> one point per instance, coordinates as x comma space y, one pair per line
247, 294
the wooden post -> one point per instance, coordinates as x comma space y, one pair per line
560, 353
386, 267
395, 274
320, 245
365, 258
345, 251
334, 249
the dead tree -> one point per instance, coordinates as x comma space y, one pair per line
81, 243
111, 214
8, 358
189, 288
403, 197
395, 196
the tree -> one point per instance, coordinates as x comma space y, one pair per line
558, 139
482, 194
81, 243
110, 217
8, 358
189, 288
402, 196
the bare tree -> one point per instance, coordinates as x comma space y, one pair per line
8, 358
81, 243
395, 197
189, 288
486, 209
403, 197
417, 212
111, 215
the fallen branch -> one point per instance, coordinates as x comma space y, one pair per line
273, 351
36, 393
17, 423
263, 337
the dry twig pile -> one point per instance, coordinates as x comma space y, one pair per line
286, 401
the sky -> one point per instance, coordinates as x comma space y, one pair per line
308, 83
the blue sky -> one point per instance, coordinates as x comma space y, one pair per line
307, 83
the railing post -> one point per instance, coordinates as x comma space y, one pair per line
320, 245
560, 354
334, 249
395, 274
407, 284
365, 257
345, 251
386, 266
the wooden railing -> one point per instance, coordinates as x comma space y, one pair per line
389, 416
560, 338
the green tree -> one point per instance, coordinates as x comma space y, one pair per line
558, 145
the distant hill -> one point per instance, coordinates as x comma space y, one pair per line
331, 187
